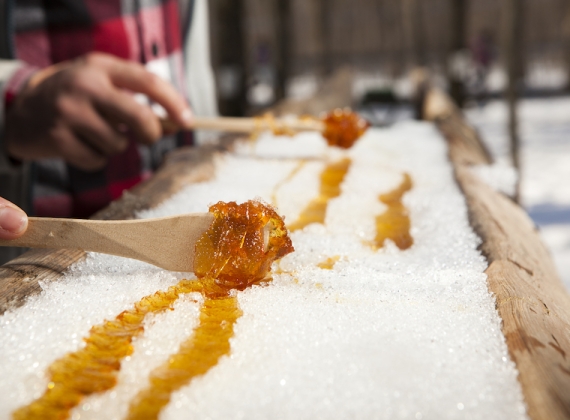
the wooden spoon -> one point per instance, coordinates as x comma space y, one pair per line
245, 125
167, 242
340, 127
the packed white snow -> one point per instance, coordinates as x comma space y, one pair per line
385, 334
545, 152
499, 175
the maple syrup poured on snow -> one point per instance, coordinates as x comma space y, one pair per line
316, 210
394, 223
198, 354
237, 251
329, 263
94, 368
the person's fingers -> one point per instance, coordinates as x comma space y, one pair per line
120, 107
13, 220
133, 76
88, 125
78, 152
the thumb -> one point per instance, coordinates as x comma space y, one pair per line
13, 220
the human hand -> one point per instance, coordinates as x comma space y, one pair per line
81, 110
13, 220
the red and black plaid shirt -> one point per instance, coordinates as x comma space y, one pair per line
50, 31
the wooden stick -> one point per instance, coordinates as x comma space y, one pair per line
246, 125
166, 242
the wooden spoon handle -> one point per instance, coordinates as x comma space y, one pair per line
245, 125
47, 232
167, 242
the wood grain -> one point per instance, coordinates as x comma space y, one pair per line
21, 278
530, 298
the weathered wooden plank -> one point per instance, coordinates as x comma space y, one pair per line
21, 277
530, 298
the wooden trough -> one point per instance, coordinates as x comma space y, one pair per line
531, 300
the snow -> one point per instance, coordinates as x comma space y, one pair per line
545, 190
384, 334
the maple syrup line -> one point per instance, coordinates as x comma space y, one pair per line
196, 356
94, 368
394, 223
220, 311
331, 178
285, 180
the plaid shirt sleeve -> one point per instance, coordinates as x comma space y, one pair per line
148, 32
13, 76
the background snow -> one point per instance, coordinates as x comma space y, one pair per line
545, 188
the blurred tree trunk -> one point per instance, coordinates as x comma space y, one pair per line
229, 15
325, 26
413, 24
565, 30
283, 23
512, 38
458, 47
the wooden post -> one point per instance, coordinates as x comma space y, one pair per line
413, 28
456, 85
513, 58
229, 16
325, 25
283, 28
565, 31
412, 22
